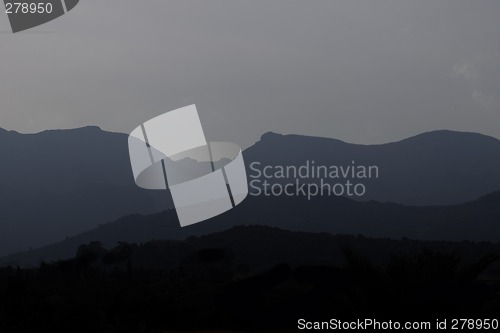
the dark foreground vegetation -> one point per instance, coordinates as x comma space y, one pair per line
250, 279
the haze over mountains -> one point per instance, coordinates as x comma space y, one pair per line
56, 184
474, 221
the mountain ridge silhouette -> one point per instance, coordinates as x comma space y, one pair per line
473, 221
59, 183
433, 168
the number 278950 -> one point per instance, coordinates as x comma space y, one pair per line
28, 8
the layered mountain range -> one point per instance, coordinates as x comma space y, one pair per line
58, 184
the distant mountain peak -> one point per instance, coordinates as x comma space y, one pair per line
451, 135
90, 128
5, 131
270, 135
273, 136
78, 129
442, 135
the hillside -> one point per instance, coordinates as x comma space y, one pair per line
433, 168
259, 277
57, 184
474, 221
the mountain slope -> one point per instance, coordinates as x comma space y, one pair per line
60, 183
434, 168
476, 221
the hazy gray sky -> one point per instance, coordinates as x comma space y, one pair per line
361, 71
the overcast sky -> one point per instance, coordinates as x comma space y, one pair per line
361, 71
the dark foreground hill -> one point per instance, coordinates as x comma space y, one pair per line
474, 221
257, 279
